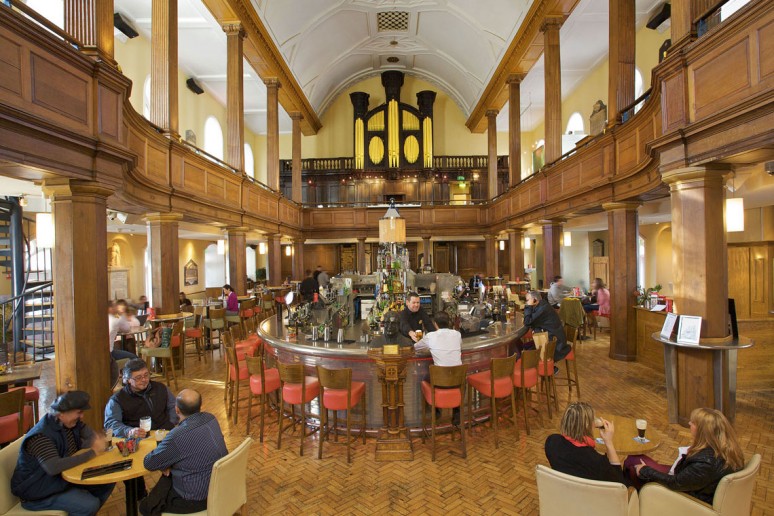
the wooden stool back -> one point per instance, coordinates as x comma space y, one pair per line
446, 377
12, 402
291, 373
335, 378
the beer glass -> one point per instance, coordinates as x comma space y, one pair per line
109, 438
642, 425
145, 423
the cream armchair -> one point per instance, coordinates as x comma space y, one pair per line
732, 497
566, 495
9, 504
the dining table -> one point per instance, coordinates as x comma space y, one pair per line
73, 475
167, 318
625, 436
133, 331
20, 374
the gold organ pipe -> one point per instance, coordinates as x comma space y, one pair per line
393, 144
359, 144
427, 141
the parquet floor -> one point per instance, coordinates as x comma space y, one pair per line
488, 481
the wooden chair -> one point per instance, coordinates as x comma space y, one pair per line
295, 389
243, 345
246, 312
338, 392
236, 371
31, 393
195, 333
546, 351
525, 377
446, 389
15, 416
215, 322
571, 334
167, 355
263, 381
497, 383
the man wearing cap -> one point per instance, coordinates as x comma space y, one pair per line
49, 448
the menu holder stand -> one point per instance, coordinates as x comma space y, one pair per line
394, 440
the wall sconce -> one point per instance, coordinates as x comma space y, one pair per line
44, 230
288, 250
567, 239
734, 215
502, 245
221, 247
262, 248
527, 243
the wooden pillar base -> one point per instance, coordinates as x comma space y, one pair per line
394, 441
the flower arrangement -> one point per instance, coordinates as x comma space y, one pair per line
644, 294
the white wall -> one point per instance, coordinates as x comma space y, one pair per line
575, 261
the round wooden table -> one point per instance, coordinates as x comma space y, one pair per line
73, 475
171, 317
625, 432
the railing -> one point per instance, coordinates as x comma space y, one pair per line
399, 205
346, 165
628, 112
36, 307
42, 21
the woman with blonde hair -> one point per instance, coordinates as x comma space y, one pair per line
572, 450
714, 453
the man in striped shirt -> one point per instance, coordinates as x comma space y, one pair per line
185, 457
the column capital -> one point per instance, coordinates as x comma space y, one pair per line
552, 222
552, 23
511, 231
234, 29
62, 187
158, 217
490, 237
515, 78
296, 115
361, 239
237, 230
490, 113
272, 82
625, 205
705, 173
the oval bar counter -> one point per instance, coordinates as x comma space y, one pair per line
477, 350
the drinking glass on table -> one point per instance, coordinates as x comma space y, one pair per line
159, 435
145, 424
109, 437
642, 425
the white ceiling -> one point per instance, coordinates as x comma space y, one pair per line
455, 44
202, 55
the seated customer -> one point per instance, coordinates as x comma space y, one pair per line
232, 301
185, 304
185, 458
118, 322
51, 447
308, 287
600, 298
557, 292
572, 451
444, 344
714, 453
539, 316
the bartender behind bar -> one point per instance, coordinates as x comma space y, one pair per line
412, 319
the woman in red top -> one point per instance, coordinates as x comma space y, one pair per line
600, 299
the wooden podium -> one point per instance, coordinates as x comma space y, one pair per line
394, 441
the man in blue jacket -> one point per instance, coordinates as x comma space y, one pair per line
50, 448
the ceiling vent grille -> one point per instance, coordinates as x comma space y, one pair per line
392, 21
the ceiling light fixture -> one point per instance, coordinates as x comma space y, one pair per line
527, 243
392, 227
23, 202
288, 250
567, 239
262, 248
502, 245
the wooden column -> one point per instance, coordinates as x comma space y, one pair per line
552, 246
164, 95
274, 252
165, 261
296, 176
681, 23
237, 259
361, 255
620, 92
700, 274
91, 22
516, 250
235, 99
272, 134
553, 87
623, 230
81, 293
427, 250
490, 255
514, 129
491, 145
298, 259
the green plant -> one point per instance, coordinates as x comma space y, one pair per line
644, 294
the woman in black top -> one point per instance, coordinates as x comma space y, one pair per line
572, 451
714, 453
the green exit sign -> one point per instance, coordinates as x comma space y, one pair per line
460, 178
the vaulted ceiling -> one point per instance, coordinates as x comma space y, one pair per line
331, 44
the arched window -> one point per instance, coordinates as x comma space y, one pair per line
214, 267
249, 161
250, 265
575, 124
146, 98
213, 137
638, 88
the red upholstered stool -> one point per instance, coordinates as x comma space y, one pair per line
525, 377
15, 416
446, 389
236, 372
31, 394
195, 333
338, 392
263, 381
497, 383
296, 389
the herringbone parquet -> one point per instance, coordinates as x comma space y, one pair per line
488, 481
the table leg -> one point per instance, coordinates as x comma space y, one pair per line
670, 372
131, 498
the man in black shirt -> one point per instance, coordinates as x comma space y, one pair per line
413, 319
308, 287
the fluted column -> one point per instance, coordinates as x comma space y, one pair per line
237, 259
620, 91
80, 298
274, 252
272, 133
164, 260
91, 23
491, 141
514, 128
235, 97
552, 246
164, 93
553, 87
623, 231
296, 169
516, 250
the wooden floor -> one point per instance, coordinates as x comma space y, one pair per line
488, 481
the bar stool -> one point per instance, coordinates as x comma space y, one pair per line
236, 371
215, 322
167, 355
31, 393
196, 333
246, 311
446, 389
339, 392
245, 346
571, 334
263, 381
546, 370
496, 383
296, 389
525, 377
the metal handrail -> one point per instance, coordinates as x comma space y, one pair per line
39, 321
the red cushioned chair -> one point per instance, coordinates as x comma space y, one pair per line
195, 333
31, 393
244, 347
236, 371
525, 377
338, 392
295, 389
446, 389
497, 383
15, 416
263, 381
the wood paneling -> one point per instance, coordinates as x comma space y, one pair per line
60, 90
739, 279
471, 259
735, 63
10, 57
326, 255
